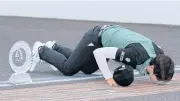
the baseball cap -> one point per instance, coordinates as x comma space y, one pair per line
124, 75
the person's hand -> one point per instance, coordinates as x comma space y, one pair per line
153, 78
150, 69
111, 82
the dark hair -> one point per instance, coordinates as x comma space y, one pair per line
124, 75
163, 67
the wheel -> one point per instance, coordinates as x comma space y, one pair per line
20, 57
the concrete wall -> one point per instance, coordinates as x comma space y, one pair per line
155, 12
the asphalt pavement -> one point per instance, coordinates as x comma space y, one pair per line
68, 33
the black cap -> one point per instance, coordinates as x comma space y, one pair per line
124, 75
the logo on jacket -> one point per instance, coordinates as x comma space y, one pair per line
122, 56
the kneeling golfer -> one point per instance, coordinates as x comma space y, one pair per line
100, 43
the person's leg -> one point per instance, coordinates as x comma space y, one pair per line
59, 48
78, 57
83, 53
64, 50
52, 57
91, 65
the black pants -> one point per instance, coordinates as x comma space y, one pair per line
70, 62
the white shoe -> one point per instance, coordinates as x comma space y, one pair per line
50, 44
35, 55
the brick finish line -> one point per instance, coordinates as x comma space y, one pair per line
88, 91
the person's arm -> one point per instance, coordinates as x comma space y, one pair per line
100, 55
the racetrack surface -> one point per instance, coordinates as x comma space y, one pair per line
68, 33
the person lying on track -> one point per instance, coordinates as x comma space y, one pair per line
105, 42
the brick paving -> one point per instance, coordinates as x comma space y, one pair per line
88, 91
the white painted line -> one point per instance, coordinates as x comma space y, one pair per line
177, 66
52, 81
39, 81
65, 80
136, 73
177, 69
5, 85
